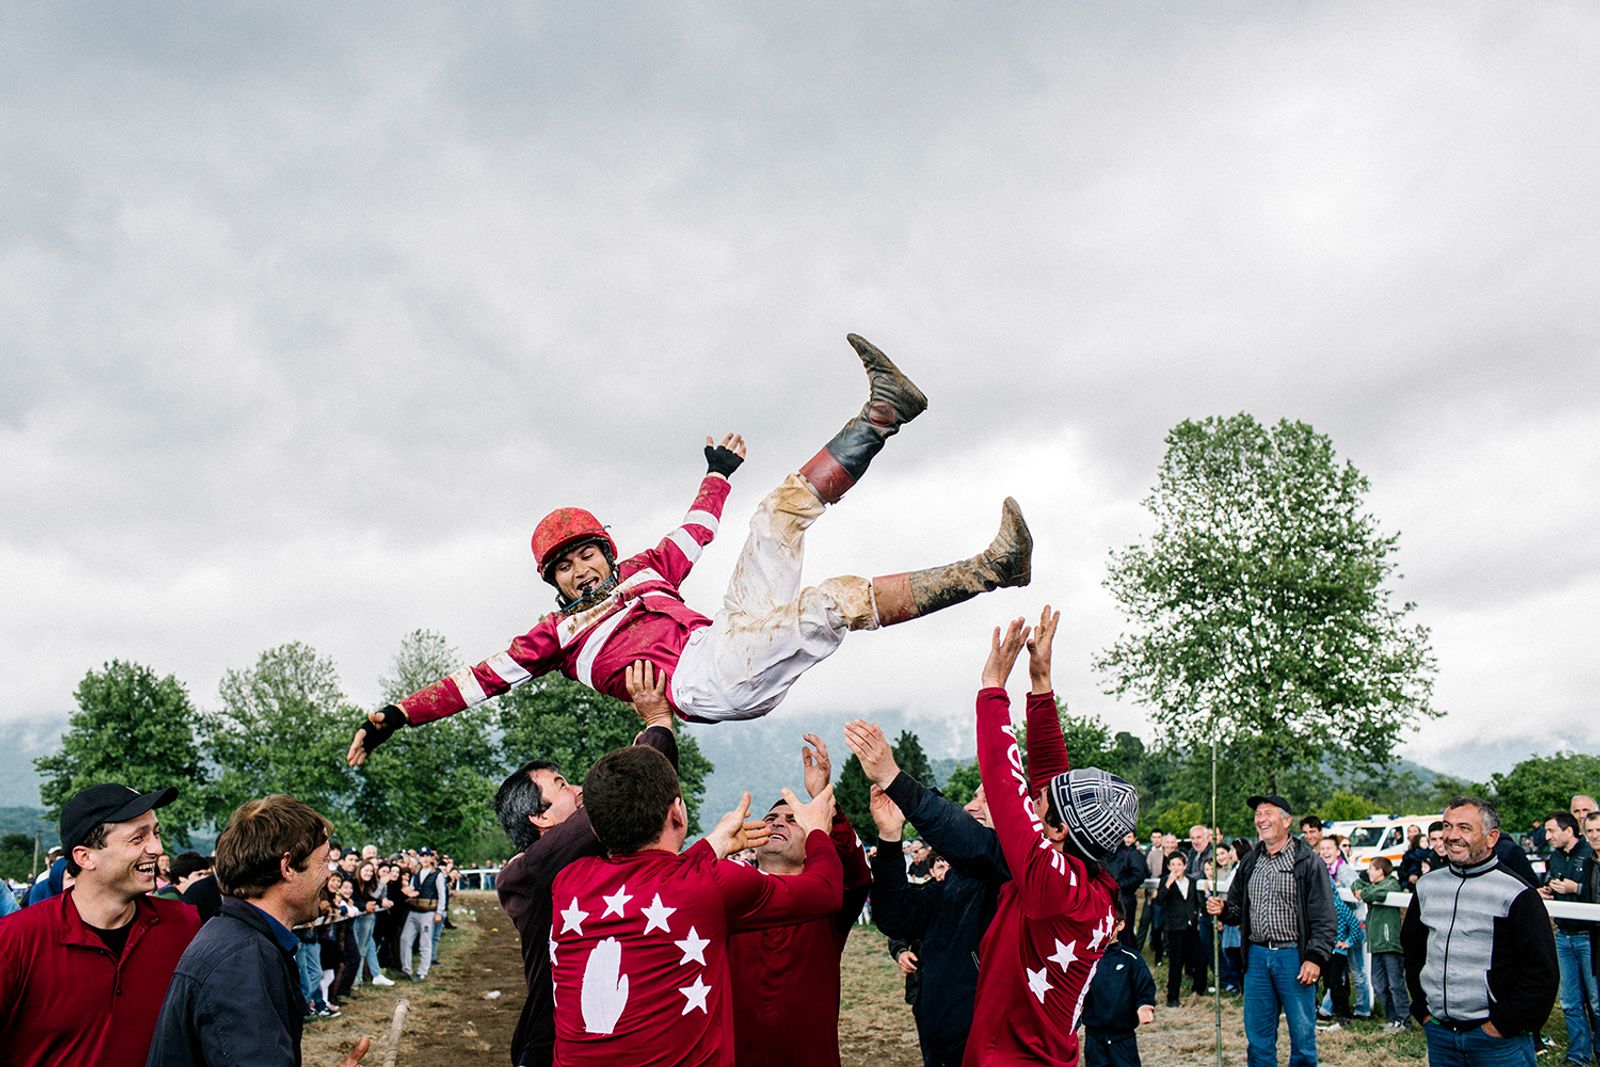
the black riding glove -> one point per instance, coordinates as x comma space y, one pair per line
723, 461
372, 736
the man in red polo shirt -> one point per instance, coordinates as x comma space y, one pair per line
786, 978
82, 975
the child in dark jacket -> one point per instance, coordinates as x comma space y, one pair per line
1181, 905
1121, 998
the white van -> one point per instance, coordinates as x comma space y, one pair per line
1379, 835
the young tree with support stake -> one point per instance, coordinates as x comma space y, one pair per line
1260, 611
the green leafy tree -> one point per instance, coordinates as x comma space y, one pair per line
283, 727
1343, 805
16, 856
853, 793
433, 784
1259, 611
134, 728
963, 784
1541, 784
910, 758
558, 719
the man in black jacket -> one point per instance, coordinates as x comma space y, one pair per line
1282, 901
1127, 865
947, 917
1464, 916
235, 996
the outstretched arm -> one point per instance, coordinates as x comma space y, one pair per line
1051, 882
954, 834
676, 554
534, 653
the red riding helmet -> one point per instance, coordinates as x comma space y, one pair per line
560, 530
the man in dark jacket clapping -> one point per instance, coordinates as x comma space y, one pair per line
950, 916
235, 997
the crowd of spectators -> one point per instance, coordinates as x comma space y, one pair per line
995, 918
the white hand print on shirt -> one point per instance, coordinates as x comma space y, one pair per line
605, 988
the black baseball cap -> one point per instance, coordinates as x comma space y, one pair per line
106, 803
1269, 798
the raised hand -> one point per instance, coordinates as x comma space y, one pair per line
1003, 652
647, 688
1039, 650
735, 831
818, 767
723, 459
866, 740
604, 994
814, 814
886, 815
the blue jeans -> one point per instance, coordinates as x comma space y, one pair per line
1361, 989
1272, 984
366, 945
1578, 994
1446, 1048
309, 957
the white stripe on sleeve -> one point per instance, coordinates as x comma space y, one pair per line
472, 693
686, 543
702, 518
510, 671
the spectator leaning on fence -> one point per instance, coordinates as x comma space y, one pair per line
82, 975
1282, 901
1480, 959
235, 998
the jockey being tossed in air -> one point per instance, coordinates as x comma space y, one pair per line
741, 664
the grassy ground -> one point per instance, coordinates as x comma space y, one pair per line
465, 1012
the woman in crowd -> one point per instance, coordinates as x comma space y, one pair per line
369, 900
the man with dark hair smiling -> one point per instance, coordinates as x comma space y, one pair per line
82, 975
235, 998
786, 977
1480, 959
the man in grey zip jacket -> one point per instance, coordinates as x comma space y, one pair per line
1480, 958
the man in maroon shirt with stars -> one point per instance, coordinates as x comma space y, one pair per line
1056, 826
638, 947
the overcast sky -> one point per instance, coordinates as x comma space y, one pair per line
307, 317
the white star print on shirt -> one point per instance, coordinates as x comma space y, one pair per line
572, 918
1102, 932
616, 902
695, 995
656, 916
1038, 982
694, 948
1065, 955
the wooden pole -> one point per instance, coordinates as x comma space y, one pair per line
391, 1047
1216, 924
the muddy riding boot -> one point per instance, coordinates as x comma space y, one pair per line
892, 400
1006, 562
